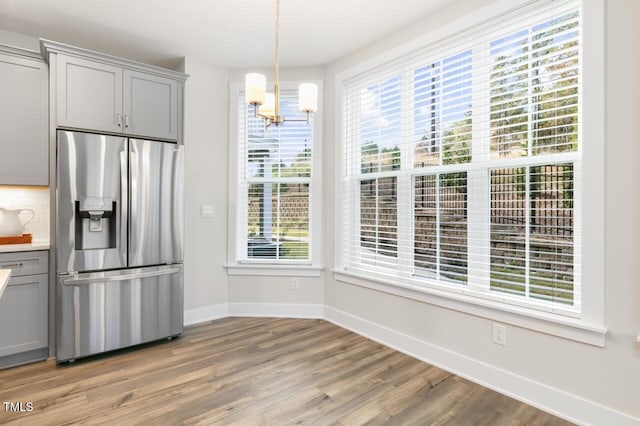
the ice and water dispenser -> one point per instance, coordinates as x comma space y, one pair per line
95, 223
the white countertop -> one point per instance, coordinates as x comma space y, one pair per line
34, 246
5, 274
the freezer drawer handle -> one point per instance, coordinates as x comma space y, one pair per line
83, 279
12, 265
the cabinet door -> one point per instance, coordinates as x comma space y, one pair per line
24, 118
23, 314
89, 95
150, 105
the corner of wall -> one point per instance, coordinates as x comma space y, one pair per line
206, 177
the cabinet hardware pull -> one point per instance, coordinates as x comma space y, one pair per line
119, 120
12, 265
126, 121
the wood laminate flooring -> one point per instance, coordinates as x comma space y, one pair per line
263, 371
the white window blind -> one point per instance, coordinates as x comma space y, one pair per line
461, 163
275, 183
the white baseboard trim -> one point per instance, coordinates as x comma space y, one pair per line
552, 400
278, 310
206, 313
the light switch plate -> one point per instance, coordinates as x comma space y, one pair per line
206, 210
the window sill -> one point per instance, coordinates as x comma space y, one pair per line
271, 270
544, 322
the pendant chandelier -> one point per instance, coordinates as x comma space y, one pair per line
267, 105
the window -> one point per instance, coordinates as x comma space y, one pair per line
462, 164
274, 186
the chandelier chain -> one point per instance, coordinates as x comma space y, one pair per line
277, 70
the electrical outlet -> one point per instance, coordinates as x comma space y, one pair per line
295, 283
500, 334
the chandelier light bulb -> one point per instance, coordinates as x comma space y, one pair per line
268, 108
255, 88
308, 97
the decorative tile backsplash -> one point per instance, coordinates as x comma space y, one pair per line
36, 199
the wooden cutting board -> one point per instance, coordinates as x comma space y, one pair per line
18, 239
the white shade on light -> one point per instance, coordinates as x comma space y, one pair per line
308, 97
268, 108
255, 86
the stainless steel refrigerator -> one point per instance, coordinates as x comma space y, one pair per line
119, 248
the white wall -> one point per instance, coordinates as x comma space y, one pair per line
206, 142
275, 290
608, 376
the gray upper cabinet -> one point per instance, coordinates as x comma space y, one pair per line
89, 95
95, 91
24, 119
150, 105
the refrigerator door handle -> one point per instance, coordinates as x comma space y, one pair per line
133, 205
91, 278
124, 203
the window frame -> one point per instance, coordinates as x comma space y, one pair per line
587, 325
272, 267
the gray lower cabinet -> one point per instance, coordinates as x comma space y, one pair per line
24, 119
24, 309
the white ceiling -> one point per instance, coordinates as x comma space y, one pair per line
229, 33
